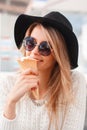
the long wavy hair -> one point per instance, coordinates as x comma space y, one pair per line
60, 95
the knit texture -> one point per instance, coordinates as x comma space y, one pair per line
32, 117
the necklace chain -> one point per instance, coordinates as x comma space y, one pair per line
42, 101
38, 102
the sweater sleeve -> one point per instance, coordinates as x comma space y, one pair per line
5, 86
76, 113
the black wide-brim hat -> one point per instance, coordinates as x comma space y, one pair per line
55, 20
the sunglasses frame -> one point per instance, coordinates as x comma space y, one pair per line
34, 43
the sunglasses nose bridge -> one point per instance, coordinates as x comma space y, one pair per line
35, 49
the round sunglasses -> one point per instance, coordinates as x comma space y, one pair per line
30, 43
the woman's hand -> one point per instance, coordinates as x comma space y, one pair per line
25, 82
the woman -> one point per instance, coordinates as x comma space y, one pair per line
62, 102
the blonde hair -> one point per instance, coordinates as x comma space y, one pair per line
60, 81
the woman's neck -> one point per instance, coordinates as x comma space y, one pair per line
44, 79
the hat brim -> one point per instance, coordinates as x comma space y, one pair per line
24, 21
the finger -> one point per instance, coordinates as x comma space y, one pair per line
28, 77
30, 71
30, 86
25, 85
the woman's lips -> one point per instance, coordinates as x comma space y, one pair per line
38, 60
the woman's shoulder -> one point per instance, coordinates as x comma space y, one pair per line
78, 76
79, 80
7, 79
7, 76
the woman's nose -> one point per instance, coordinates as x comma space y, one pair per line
35, 50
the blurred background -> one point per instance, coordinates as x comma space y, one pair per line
75, 10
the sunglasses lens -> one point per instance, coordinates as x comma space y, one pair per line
44, 49
29, 43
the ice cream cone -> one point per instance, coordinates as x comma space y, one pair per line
25, 63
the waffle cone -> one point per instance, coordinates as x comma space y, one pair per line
25, 63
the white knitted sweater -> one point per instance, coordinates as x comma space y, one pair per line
32, 117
